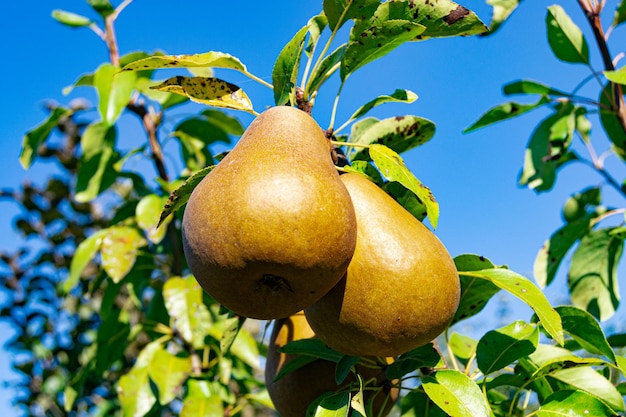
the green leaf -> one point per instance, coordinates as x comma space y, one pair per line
463, 347
620, 13
285, 70
200, 401
168, 372
35, 137
70, 19
618, 76
565, 38
103, 7
333, 405
582, 204
455, 394
245, 348
209, 91
343, 368
502, 9
404, 197
554, 249
504, 111
585, 330
398, 96
96, 172
183, 300
316, 26
84, 253
148, 212
592, 277
501, 347
212, 59
392, 167
119, 250
532, 87
296, 363
134, 389
327, 67
339, 12
180, 196
114, 91
417, 404
112, 340
399, 133
523, 289
232, 326
475, 292
572, 403
425, 356
610, 120
311, 347
368, 43
588, 380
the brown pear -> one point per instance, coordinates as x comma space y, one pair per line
401, 289
271, 228
294, 392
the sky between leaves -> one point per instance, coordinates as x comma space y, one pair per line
473, 176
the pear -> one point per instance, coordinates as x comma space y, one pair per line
271, 228
295, 391
401, 289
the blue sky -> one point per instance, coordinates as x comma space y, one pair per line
473, 176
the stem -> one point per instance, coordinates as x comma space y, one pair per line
353, 145
259, 80
335, 104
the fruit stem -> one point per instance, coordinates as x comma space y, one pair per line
353, 145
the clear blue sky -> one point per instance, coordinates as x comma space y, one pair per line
474, 176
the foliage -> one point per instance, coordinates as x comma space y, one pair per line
110, 322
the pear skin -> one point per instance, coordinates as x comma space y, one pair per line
401, 289
294, 392
271, 228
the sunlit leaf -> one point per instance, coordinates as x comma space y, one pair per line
456, 394
475, 292
134, 389
148, 212
565, 38
328, 66
246, 348
209, 91
180, 196
464, 347
84, 253
339, 12
502, 9
501, 347
96, 172
316, 26
398, 96
119, 250
213, 59
532, 87
35, 137
70, 19
114, 91
584, 328
504, 111
285, 70
332, 405
168, 373
572, 403
183, 300
232, 326
200, 401
392, 167
592, 277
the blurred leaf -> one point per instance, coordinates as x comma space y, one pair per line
475, 292
584, 328
35, 137
532, 87
114, 91
618, 76
183, 299
119, 250
369, 42
502, 9
112, 341
417, 404
333, 405
425, 356
582, 204
504, 111
134, 389
592, 277
327, 67
147, 212
339, 12
103, 7
572, 403
455, 394
168, 373
620, 13
180, 196
398, 96
463, 347
96, 172
554, 249
200, 401
565, 38
229, 334
224, 122
209, 91
84, 253
285, 70
70, 19
392, 167
610, 120
501, 347
245, 348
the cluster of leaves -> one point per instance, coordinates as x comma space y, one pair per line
596, 243
109, 322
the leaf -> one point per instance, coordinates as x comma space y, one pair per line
311, 347
37, 136
610, 120
183, 300
333, 405
592, 277
95, 171
554, 249
327, 67
168, 372
119, 250
209, 91
475, 292
501, 347
285, 70
83, 255
502, 9
114, 91
180, 196
70, 19
316, 26
103, 7
523, 289
212, 59
620, 13
618, 76
344, 366
463, 347
588, 380
584, 328
504, 111
231, 330
134, 389
398, 96
147, 212
392, 167
112, 340
425, 356
455, 394
532, 87
565, 38
404, 197
339, 12
245, 348
200, 401
368, 43
296, 363
417, 404
572, 403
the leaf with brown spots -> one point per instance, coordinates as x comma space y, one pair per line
285, 71
209, 91
211, 59
180, 196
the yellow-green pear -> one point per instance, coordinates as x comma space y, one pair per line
271, 228
401, 289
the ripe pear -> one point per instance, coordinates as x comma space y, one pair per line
271, 228
401, 289
294, 392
